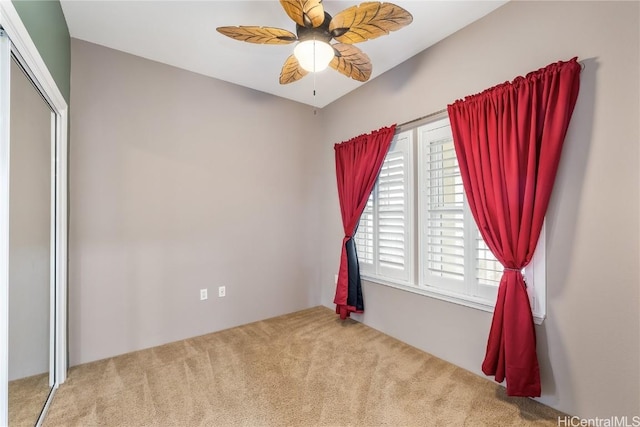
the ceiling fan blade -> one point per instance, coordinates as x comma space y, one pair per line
260, 35
291, 71
351, 61
306, 13
368, 21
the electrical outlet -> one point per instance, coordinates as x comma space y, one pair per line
203, 294
222, 291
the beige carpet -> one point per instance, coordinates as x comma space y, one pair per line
303, 369
26, 399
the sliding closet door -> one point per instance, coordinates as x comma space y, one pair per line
33, 227
30, 250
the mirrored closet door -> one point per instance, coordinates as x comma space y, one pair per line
31, 248
33, 228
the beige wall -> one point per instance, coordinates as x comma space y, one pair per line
180, 182
589, 345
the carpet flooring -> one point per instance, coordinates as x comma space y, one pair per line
26, 399
303, 369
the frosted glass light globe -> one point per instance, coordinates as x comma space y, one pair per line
313, 55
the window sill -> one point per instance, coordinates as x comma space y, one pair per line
467, 301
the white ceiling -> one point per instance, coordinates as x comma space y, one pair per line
183, 34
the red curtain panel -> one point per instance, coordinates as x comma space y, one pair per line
358, 163
508, 141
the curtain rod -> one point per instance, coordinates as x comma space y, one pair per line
420, 118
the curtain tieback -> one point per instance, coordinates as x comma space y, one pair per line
519, 270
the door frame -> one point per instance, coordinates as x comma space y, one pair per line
30, 58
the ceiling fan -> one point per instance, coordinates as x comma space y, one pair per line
315, 29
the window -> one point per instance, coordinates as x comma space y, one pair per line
454, 263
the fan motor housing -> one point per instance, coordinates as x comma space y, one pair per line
320, 33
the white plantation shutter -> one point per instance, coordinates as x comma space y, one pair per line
383, 237
442, 208
392, 212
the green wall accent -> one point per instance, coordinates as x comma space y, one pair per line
48, 30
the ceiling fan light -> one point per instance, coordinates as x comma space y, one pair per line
313, 55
